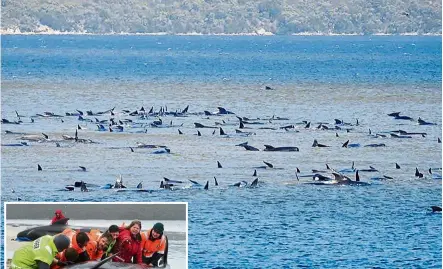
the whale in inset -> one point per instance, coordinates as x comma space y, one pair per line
36, 232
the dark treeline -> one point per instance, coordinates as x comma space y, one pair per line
221, 16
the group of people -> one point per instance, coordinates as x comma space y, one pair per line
127, 244
135, 246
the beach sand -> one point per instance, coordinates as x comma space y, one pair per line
10, 244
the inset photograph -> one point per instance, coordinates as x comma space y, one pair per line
96, 235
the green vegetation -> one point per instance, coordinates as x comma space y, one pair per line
224, 16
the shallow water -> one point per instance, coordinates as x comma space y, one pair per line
282, 222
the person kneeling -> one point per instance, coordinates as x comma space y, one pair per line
153, 246
40, 253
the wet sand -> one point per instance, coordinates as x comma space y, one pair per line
10, 244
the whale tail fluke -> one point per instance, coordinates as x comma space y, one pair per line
83, 187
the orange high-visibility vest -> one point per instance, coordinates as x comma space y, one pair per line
93, 252
150, 247
71, 234
91, 247
94, 234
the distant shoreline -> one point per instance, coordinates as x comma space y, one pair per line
13, 32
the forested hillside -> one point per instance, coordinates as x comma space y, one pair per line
224, 16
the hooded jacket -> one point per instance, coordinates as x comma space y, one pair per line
55, 218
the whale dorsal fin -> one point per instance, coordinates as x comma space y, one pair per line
216, 183
268, 164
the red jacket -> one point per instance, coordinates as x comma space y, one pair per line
128, 247
61, 216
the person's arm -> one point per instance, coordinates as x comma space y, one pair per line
125, 250
56, 258
139, 255
42, 265
82, 257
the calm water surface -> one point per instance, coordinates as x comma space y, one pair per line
282, 223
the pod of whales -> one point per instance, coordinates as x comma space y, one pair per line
140, 121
